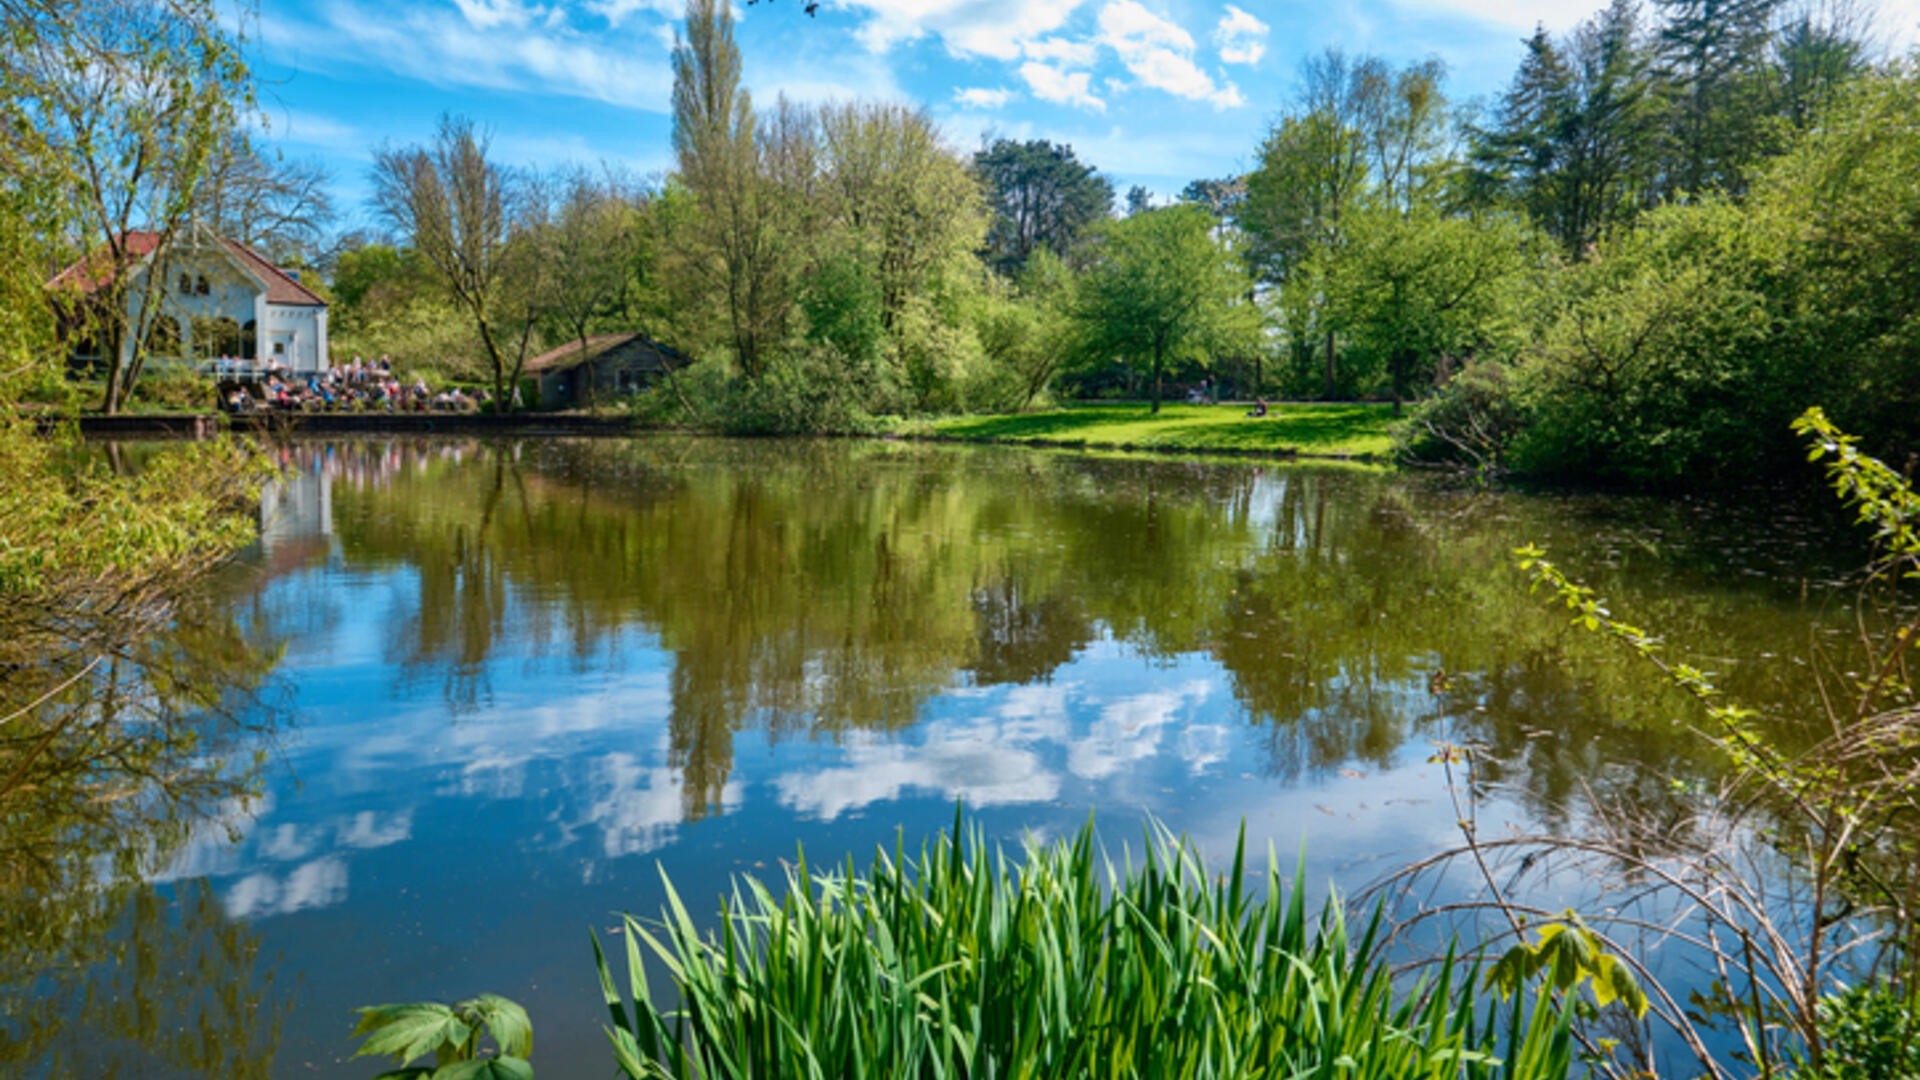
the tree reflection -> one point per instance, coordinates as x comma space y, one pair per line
165, 984
122, 737
822, 588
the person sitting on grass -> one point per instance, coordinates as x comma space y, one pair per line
1259, 408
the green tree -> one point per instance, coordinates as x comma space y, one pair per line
1422, 292
1161, 289
910, 208
733, 246
122, 106
456, 206
1714, 57
1040, 195
1027, 328
1576, 141
1361, 133
589, 239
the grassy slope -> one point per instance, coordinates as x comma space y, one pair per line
1348, 430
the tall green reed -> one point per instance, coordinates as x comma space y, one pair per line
963, 962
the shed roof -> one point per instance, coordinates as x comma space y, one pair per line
571, 355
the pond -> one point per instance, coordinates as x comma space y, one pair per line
499, 686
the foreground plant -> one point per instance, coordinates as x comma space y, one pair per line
963, 962
451, 1034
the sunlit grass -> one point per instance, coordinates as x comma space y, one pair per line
963, 962
1329, 429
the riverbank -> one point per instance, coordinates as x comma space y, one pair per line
1310, 430
1338, 431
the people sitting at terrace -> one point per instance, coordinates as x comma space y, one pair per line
354, 386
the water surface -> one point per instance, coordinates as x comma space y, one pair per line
509, 682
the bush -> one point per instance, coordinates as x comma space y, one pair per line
1471, 420
964, 963
1870, 1034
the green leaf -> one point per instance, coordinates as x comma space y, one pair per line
496, 1068
506, 1020
408, 1031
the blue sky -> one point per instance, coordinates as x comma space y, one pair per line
1152, 92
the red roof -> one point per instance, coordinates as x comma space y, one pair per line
281, 288
92, 272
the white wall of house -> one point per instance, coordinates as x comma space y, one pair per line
294, 335
231, 293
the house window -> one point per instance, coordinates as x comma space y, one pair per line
279, 348
200, 285
186, 285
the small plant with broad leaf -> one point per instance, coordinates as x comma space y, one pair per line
451, 1035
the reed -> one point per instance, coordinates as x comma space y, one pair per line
964, 962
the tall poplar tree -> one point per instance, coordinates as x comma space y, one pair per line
733, 246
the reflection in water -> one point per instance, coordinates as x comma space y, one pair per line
173, 986
521, 664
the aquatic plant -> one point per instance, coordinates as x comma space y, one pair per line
451, 1034
963, 961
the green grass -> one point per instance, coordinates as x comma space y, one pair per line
961, 962
1348, 430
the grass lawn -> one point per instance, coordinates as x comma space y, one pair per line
1309, 428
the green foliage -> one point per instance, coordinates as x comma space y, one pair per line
1569, 954
1680, 349
1661, 364
1416, 291
960, 961
1871, 1032
451, 1034
1162, 290
1042, 197
842, 304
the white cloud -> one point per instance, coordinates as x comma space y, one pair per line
1240, 37
1063, 51
617, 11
1160, 54
1066, 88
317, 884
980, 766
993, 28
980, 97
487, 14
1129, 731
493, 44
307, 129
1524, 15
365, 830
639, 808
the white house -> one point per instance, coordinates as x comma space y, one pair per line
219, 297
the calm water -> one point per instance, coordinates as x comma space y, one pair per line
509, 682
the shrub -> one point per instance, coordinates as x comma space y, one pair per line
1869, 1033
964, 963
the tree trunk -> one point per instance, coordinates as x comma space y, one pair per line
590, 387
1332, 372
501, 402
1156, 382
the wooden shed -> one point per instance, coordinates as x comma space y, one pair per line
610, 365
